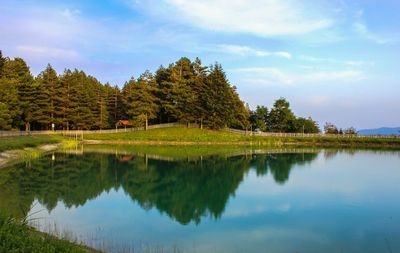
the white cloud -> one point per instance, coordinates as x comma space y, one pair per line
266, 76
283, 54
274, 76
246, 51
363, 31
262, 18
353, 63
70, 14
360, 63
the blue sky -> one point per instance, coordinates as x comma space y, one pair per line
334, 60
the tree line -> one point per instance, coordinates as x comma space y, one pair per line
281, 119
185, 91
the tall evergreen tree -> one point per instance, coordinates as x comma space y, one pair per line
221, 100
241, 114
143, 102
9, 92
114, 104
63, 102
181, 95
167, 94
20, 78
5, 117
47, 82
101, 114
199, 88
83, 117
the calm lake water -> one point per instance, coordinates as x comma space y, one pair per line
326, 201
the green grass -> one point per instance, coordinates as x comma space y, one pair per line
17, 236
20, 142
194, 135
171, 134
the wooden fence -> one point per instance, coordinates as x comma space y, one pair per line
80, 133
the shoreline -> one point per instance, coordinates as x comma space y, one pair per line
9, 156
264, 144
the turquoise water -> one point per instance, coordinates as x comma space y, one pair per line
328, 201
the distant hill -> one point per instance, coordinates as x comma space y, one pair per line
380, 131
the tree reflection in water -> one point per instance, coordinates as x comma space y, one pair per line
185, 190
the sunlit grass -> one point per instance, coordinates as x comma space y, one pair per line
20, 142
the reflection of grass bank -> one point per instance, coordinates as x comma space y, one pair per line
195, 136
167, 151
24, 148
17, 236
184, 152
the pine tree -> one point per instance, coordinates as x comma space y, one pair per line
218, 99
114, 104
5, 117
199, 88
9, 92
85, 100
47, 82
127, 97
20, 78
62, 101
143, 102
185, 97
167, 95
101, 114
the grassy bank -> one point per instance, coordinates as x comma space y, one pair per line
194, 136
23, 148
21, 142
17, 236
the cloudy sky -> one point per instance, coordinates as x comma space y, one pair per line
334, 60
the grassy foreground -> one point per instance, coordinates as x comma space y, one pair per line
17, 236
194, 136
21, 142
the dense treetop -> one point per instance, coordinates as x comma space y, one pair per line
185, 91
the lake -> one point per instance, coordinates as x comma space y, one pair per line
238, 201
